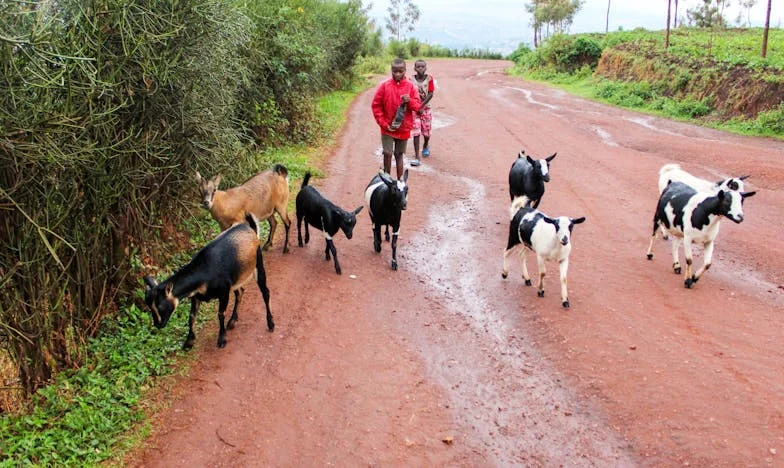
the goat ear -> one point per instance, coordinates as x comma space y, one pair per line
356, 212
149, 283
748, 194
578, 220
744, 177
198, 176
386, 178
217, 180
528, 158
550, 158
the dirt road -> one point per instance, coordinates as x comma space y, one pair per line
377, 367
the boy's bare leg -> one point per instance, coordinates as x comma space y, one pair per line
387, 162
425, 144
416, 146
399, 164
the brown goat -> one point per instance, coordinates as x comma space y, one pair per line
262, 195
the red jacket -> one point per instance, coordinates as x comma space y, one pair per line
386, 102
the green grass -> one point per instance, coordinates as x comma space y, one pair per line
97, 413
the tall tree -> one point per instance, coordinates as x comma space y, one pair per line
746, 6
667, 37
607, 19
555, 14
402, 16
765, 33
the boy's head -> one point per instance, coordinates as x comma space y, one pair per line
398, 69
420, 67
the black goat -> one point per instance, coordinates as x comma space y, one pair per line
325, 216
224, 265
386, 200
527, 178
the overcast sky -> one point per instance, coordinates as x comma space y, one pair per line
503, 24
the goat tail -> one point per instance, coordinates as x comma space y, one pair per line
251, 221
306, 179
281, 170
517, 203
669, 167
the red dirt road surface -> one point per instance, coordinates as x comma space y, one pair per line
444, 363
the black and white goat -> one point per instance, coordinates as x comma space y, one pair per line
224, 265
673, 173
325, 216
386, 199
527, 178
694, 216
549, 238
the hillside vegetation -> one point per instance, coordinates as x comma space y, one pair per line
716, 78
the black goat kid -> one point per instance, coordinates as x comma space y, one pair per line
325, 216
386, 200
527, 177
224, 265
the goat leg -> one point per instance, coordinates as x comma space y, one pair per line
542, 272
331, 248
223, 303
191, 338
395, 231
376, 238
286, 224
299, 229
386, 233
261, 280
564, 267
234, 317
273, 224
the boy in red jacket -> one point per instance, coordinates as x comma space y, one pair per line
396, 95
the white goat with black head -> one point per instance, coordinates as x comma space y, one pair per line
225, 265
693, 217
386, 199
549, 238
527, 177
325, 216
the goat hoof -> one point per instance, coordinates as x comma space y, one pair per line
230, 325
221, 343
650, 256
504, 275
337, 270
271, 326
266, 247
377, 247
286, 250
677, 270
688, 283
566, 304
394, 265
187, 345
540, 293
528, 283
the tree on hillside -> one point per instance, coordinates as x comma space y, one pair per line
667, 37
675, 19
555, 16
706, 15
746, 6
402, 15
765, 33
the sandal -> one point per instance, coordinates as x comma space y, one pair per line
426, 152
414, 163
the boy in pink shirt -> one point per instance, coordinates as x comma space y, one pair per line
390, 96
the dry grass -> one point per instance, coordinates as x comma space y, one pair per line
11, 391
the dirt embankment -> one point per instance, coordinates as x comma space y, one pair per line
733, 90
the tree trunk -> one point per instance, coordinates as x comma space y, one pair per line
607, 19
667, 37
675, 19
765, 33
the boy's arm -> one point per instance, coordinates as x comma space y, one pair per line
431, 87
378, 108
414, 104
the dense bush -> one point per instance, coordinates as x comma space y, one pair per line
107, 108
564, 54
